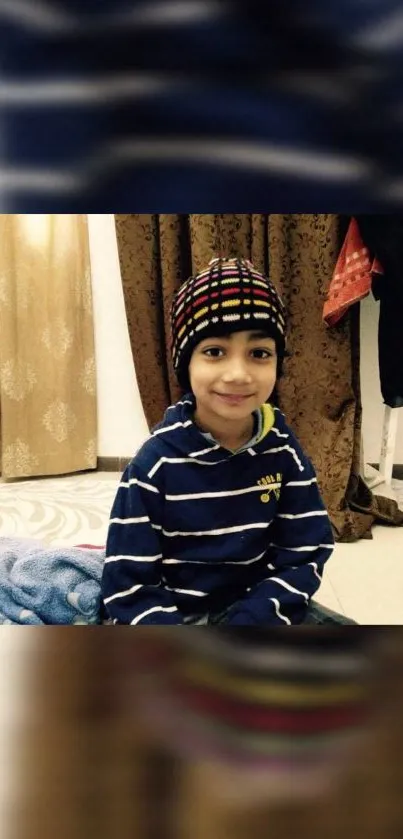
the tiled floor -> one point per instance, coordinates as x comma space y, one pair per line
363, 580
61, 511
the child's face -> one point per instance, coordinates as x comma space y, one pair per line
231, 376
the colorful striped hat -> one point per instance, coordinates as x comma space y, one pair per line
285, 710
229, 296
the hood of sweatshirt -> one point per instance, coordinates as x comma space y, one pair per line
179, 433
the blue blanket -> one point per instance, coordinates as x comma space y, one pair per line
45, 585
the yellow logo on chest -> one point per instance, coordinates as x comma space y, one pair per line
272, 485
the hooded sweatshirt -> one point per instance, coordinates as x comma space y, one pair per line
196, 529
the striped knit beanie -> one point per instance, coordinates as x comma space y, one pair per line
228, 296
285, 710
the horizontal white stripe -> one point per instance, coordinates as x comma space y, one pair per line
216, 561
121, 594
183, 402
131, 558
278, 613
219, 532
43, 16
150, 612
385, 34
301, 483
204, 451
287, 586
176, 12
251, 155
136, 482
188, 591
88, 91
289, 449
227, 153
391, 190
38, 15
238, 317
301, 548
138, 520
223, 494
26, 180
163, 460
245, 561
302, 515
172, 427
278, 657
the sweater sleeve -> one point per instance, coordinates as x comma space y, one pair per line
301, 541
132, 582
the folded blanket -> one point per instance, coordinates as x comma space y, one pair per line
45, 585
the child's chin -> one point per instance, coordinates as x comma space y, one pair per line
235, 411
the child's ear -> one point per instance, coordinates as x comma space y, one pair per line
280, 363
184, 382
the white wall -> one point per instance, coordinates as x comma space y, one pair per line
372, 403
122, 425
16, 653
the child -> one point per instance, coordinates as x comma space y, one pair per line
218, 518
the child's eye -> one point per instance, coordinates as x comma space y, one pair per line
261, 353
213, 352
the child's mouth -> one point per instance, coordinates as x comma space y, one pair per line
234, 398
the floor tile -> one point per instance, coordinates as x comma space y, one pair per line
367, 577
67, 510
327, 596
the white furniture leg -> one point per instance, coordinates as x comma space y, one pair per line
375, 477
389, 432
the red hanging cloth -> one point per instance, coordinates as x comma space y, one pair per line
352, 277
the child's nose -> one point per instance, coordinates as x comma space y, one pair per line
237, 370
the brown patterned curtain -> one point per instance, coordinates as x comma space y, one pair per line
320, 390
47, 359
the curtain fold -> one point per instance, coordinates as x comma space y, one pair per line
320, 392
47, 356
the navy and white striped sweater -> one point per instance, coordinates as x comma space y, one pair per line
197, 529
209, 104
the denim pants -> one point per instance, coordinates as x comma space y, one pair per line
316, 615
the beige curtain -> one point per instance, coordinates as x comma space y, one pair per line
47, 361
